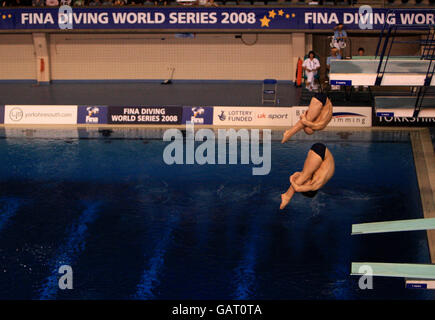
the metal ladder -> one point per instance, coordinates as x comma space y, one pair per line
383, 50
427, 54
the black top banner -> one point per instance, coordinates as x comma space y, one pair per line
403, 122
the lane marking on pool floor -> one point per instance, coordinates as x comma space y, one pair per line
150, 276
70, 250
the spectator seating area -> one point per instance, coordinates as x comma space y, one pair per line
375, 3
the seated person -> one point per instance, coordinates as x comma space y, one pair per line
207, 3
78, 3
318, 169
335, 55
311, 65
316, 118
340, 37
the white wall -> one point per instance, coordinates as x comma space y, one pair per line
17, 57
147, 56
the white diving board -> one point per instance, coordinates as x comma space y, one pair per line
363, 72
399, 270
400, 106
393, 226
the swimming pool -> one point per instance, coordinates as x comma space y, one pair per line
132, 227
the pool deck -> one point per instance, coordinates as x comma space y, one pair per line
424, 159
184, 93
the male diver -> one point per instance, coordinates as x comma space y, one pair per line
318, 169
316, 118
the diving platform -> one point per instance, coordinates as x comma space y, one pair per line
400, 270
364, 72
400, 106
393, 226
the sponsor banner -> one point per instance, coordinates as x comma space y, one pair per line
420, 284
342, 116
2, 114
385, 114
144, 115
198, 115
42, 114
252, 116
203, 18
405, 113
416, 285
92, 114
392, 121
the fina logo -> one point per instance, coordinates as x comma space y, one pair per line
91, 112
197, 112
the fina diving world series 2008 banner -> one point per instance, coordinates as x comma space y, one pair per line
211, 18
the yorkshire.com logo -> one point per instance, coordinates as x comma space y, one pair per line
92, 114
16, 114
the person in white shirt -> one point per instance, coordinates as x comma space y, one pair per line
311, 65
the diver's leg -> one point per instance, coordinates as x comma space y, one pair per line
314, 109
312, 163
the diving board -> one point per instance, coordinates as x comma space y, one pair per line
400, 270
363, 72
400, 106
395, 57
394, 226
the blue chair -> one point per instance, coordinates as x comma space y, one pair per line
269, 89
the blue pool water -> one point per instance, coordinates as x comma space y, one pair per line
132, 227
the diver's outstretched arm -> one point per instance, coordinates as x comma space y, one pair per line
286, 197
319, 125
292, 131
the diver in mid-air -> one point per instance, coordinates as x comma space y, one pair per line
318, 169
316, 118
